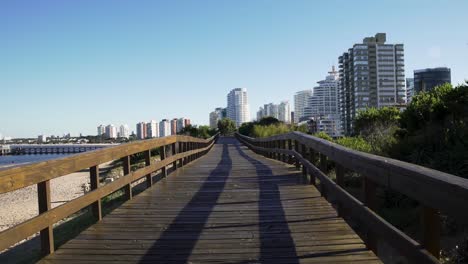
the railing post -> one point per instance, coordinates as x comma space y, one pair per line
296, 148
149, 179
126, 170
186, 148
270, 147
370, 200
181, 150
430, 219
96, 208
284, 156
311, 159
162, 155
174, 152
324, 169
304, 168
47, 234
340, 171
323, 163
290, 148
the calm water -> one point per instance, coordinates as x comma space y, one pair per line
10, 161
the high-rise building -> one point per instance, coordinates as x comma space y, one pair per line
409, 89
111, 131
238, 106
281, 111
181, 123
124, 131
284, 112
218, 114
426, 79
174, 126
371, 75
300, 102
141, 130
322, 106
101, 129
42, 139
164, 128
152, 129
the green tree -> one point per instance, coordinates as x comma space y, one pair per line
378, 127
226, 126
200, 131
435, 130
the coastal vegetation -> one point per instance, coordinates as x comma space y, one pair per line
432, 132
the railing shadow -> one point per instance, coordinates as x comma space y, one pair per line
269, 197
194, 221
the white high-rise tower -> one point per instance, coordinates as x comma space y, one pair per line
238, 106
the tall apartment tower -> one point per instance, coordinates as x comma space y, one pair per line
238, 106
174, 126
284, 112
141, 130
101, 130
164, 128
182, 123
300, 102
111, 131
322, 106
218, 114
409, 89
427, 79
152, 129
124, 131
372, 74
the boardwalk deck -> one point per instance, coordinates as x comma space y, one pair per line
230, 206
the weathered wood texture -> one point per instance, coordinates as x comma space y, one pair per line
42, 172
230, 206
376, 171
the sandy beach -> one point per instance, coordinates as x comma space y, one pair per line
21, 205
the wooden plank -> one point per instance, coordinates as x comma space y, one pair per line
17, 233
19, 177
47, 233
435, 189
149, 179
431, 227
96, 209
232, 206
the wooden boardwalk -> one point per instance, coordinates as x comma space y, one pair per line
230, 206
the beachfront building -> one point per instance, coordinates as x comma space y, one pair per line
300, 102
164, 128
238, 106
371, 75
322, 106
124, 131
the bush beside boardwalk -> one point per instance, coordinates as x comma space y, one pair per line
431, 132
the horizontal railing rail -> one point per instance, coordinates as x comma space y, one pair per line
436, 191
184, 149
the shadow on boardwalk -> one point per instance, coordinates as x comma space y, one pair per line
215, 184
269, 198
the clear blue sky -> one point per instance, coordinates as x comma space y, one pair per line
68, 66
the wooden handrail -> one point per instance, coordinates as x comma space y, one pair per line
41, 173
435, 190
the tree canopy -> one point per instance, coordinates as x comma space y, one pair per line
226, 126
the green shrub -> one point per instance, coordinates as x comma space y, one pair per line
271, 130
356, 143
323, 135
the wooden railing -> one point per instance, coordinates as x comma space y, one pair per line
434, 190
184, 149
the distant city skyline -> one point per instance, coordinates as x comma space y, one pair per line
67, 66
